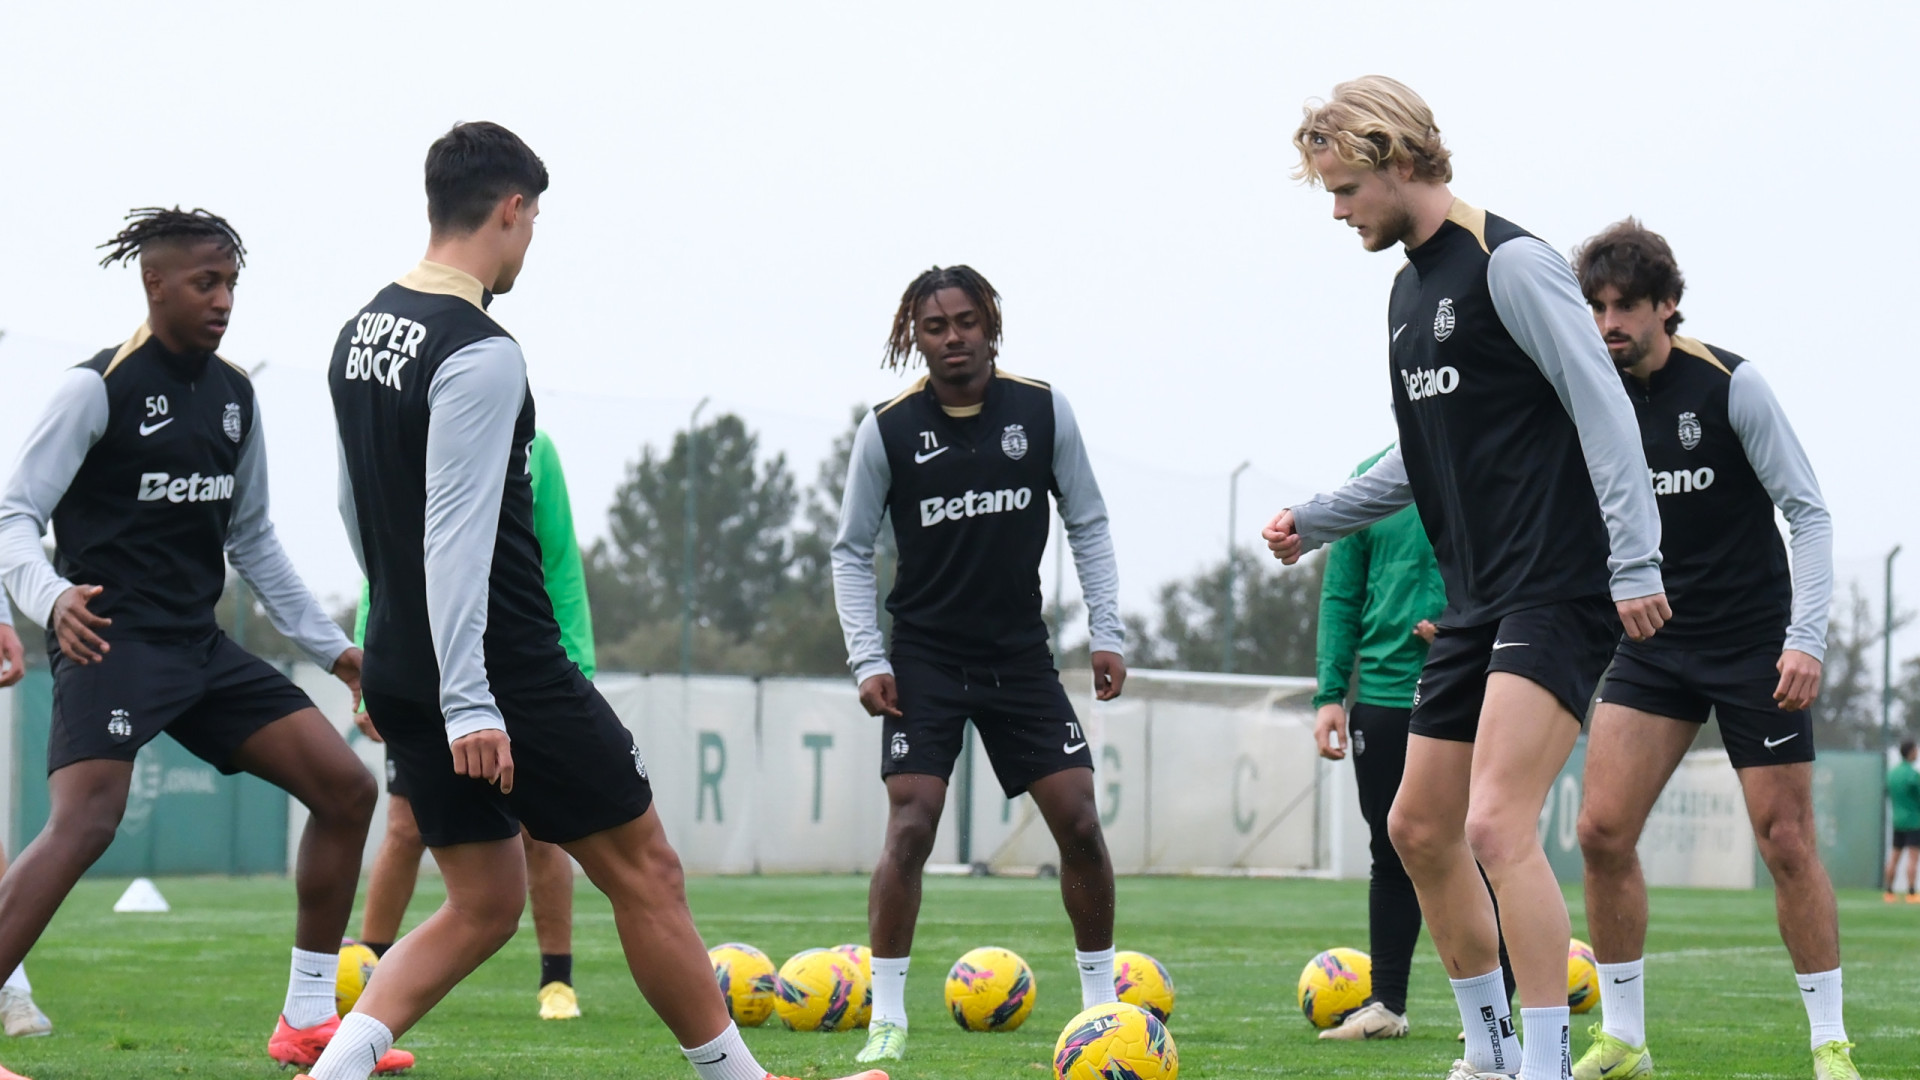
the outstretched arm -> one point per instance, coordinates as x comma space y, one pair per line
1377, 493
256, 554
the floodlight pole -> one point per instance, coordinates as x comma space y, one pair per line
692, 532
1886, 694
1233, 524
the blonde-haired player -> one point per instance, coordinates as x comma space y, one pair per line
1519, 447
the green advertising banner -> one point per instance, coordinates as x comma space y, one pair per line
182, 816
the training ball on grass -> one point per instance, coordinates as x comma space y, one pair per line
990, 989
1116, 1041
819, 990
746, 979
1583, 977
356, 967
863, 956
1334, 984
1138, 979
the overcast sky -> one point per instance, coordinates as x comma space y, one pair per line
740, 192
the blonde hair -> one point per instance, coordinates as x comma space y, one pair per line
1370, 123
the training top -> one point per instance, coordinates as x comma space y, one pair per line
967, 488
1903, 790
1517, 442
1721, 455
559, 557
435, 421
1380, 582
151, 467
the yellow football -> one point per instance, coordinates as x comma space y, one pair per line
1114, 1041
746, 979
1334, 984
990, 989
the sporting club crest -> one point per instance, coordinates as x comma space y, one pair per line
1443, 319
230, 421
1689, 430
1014, 441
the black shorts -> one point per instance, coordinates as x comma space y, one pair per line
1562, 646
576, 770
1735, 684
1906, 838
1021, 712
210, 695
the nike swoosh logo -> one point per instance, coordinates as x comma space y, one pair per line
1074, 747
1628, 979
147, 429
310, 974
922, 459
715, 1061
1807, 989
1396, 333
1771, 743
1509, 644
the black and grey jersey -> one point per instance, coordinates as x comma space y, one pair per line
1721, 456
151, 468
435, 417
967, 490
1516, 442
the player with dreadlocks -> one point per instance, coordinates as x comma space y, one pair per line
964, 460
150, 464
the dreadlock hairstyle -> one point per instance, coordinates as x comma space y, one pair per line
156, 226
967, 280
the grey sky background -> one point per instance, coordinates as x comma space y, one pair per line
741, 191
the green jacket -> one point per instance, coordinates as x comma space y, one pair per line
559, 556
1903, 788
1380, 582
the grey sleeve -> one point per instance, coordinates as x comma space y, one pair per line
856, 588
349, 511
474, 399
256, 554
1782, 466
1084, 513
1377, 493
1539, 302
74, 420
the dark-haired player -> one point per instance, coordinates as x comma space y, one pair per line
487, 722
152, 469
1745, 643
964, 460
1518, 446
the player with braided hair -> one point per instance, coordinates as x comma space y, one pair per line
150, 464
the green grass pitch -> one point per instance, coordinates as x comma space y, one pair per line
194, 993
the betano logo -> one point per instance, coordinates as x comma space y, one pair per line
1426, 382
973, 504
155, 486
1680, 481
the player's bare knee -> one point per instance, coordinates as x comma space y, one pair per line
1604, 842
1493, 841
350, 799
1080, 837
1416, 840
1786, 845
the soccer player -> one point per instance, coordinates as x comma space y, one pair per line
396, 868
1745, 642
1903, 791
1518, 446
487, 722
150, 464
964, 460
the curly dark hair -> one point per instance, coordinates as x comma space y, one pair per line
1635, 260
960, 276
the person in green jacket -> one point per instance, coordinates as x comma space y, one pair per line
549, 871
1903, 791
1378, 603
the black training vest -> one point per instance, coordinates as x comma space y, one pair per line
146, 516
969, 503
1492, 455
383, 367
1722, 559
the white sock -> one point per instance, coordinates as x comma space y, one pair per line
1546, 1049
18, 980
725, 1058
890, 989
356, 1048
1487, 1016
1096, 977
1821, 995
1623, 1001
310, 987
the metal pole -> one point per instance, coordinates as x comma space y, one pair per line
1886, 697
1233, 524
692, 531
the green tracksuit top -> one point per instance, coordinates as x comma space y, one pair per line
1380, 582
1903, 789
559, 556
